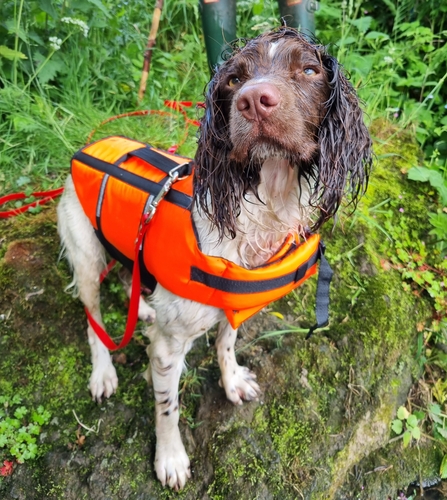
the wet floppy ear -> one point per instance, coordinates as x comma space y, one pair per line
217, 187
345, 145
212, 143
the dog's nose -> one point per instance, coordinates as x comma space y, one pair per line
256, 102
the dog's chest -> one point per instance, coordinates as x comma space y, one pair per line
279, 209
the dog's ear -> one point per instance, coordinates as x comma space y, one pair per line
218, 188
345, 154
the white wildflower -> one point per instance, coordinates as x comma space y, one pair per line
77, 22
55, 42
388, 59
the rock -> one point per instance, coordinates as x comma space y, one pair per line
321, 429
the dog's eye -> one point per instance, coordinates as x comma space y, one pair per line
233, 81
309, 71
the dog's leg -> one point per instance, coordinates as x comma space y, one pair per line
178, 323
103, 380
86, 255
145, 312
167, 355
238, 381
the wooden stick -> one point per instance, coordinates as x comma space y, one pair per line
150, 45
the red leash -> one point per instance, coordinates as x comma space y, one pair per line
45, 197
132, 314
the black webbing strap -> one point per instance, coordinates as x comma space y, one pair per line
146, 185
147, 278
159, 161
245, 286
322, 298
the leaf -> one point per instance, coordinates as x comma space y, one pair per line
416, 433
41, 416
407, 438
402, 413
441, 358
348, 40
23, 123
420, 415
397, 426
21, 181
434, 409
435, 177
50, 70
48, 7
443, 468
32, 35
14, 29
101, 7
20, 412
11, 54
412, 421
437, 181
439, 221
7, 469
359, 63
390, 5
16, 400
258, 7
441, 431
362, 24
439, 390
330, 11
421, 174
374, 35
402, 12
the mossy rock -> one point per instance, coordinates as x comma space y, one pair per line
322, 427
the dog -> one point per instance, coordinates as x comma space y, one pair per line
282, 142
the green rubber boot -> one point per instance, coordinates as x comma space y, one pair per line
299, 14
219, 28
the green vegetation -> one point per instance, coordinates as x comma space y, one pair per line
19, 427
407, 424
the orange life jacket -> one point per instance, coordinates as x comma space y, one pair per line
117, 178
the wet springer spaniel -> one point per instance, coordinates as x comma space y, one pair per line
282, 142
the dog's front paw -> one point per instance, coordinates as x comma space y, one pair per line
240, 385
172, 465
103, 381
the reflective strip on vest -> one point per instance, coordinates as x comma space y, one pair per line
115, 179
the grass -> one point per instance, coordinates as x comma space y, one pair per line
51, 99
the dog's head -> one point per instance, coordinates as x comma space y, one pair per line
280, 95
